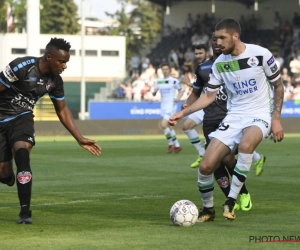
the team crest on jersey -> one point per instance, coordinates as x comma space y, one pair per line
253, 61
24, 177
274, 68
9, 74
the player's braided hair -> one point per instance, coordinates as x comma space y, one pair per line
58, 43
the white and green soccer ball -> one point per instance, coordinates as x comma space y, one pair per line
184, 213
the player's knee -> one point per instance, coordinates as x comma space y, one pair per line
246, 147
22, 160
6, 170
205, 168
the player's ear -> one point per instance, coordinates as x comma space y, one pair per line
48, 57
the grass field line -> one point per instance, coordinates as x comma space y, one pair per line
125, 137
90, 201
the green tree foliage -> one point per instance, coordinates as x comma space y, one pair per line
140, 26
59, 16
2, 16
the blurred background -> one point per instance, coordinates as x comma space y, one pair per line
126, 40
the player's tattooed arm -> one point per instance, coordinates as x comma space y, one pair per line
278, 98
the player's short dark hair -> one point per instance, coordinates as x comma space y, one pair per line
230, 25
201, 46
58, 44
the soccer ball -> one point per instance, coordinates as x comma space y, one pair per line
184, 213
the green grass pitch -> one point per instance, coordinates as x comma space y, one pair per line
122, 199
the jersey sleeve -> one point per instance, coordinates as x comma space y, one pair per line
58, 92
270, 67
177, 84
214, 79
14, 72
198, 81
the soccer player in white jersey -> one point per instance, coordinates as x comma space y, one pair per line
195, 119
255, 97
171, 92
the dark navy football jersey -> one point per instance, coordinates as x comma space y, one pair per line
217, 109
25, 86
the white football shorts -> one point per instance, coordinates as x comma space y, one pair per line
230, 131
197, 116
168, 112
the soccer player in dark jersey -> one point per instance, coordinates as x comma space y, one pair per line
213, 116
195, 119
22, 83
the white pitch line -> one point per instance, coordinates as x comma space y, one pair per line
90, 201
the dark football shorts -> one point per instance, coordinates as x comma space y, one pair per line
208, 127
18, 129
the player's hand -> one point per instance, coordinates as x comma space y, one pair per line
90, 145
183, 106
277, 131
175, 118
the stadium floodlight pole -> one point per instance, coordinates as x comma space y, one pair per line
33, 27
82, 85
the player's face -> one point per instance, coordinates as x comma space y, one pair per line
215, 47
165, 70
58, 61
200, 55
226, 41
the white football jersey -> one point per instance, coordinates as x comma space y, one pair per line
168, 90
247, 79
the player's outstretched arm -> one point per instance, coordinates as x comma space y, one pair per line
276, 127
67, 120
201, 103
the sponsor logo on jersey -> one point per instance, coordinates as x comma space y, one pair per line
274, 68
253, 61
23, 102
24, 177
24, 63
271, 61
262, 121
245, 87
9, 74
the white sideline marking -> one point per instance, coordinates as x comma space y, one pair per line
90, 201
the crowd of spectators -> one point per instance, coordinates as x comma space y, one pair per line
285, 46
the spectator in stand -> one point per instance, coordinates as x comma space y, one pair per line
286, 78
173, 58
145, 63
190, 54
295, 67
296, 20
252, 23
188, 65
181, 48
297, 92
277, 23
151, 72
128, 91
145, 90
181, 60
156, 63
243, 23
289, 92
137, 87
188, 72
189, 23
195, 39
135, 63
279, 60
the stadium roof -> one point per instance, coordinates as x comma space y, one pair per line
164, 3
